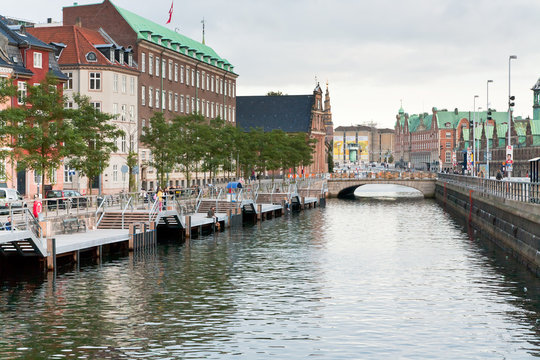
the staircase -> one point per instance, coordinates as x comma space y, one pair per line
19, 247
222, 206
113, 220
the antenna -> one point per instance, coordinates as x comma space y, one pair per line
203, 23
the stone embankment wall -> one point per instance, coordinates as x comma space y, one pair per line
512, 225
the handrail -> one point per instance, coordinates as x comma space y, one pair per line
100, 205
153, 210
198, 201
125, 208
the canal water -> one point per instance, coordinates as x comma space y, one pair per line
359, 279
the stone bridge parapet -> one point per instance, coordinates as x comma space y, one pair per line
345, 187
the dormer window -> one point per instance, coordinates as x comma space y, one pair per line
91, 56
130, 59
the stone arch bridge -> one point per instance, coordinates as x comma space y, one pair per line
344, 188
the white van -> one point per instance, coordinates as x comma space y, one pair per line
10, 196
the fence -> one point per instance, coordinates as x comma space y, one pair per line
506, 189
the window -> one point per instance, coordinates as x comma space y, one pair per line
182, 74
163, 66
150, 64
131, 112
38, 60
157, 98
192, 105
68, 105
21, 92
131, 85
448, 157
123, 112
143, 62
115, 82
198, 79
448, 145
123, 143
170, 70
115, 173
91, 56
115, 110
187, 75
225, 92
95, 81
233, 114
163, 99
170, 101
208, 108
143, 127
143, 95
68, 85
68, 178
157, 66
212, 110
203, 76
234, 90
192, 77
181, 103
207, 81
187, 104
448, 135
176, 102
150, 97
37, 177
124, 84
96, 105
176, 72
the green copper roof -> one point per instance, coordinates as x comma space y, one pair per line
172, 40
535, 127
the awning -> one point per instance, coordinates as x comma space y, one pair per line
234, 185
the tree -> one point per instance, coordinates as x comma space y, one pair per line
93, 140
275, 93
40, 131
7, 91
186, 146
329, 152
159, 139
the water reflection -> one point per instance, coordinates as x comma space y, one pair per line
356, 279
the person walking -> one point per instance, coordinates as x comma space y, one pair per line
159, 198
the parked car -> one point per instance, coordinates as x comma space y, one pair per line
9, 197
64, 199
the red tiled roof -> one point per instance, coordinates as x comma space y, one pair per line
79, 41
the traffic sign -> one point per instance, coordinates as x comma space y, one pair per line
124, 169
135, 170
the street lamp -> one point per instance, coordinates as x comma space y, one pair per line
477, 155
488, 154
510, 104
474, 136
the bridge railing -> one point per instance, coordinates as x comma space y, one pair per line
386, 174
506, 189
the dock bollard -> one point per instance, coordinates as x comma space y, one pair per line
259, 212
229, 216
51, 257
131, 244
154, 232
188, 226
303, 202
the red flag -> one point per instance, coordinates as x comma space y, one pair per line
170, 13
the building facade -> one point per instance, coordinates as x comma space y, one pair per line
106, 73
26, 60
178, 75
360, 144
292, 114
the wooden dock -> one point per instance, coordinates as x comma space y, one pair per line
136, 227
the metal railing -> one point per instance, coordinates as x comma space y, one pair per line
506, 189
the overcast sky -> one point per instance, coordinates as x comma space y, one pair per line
436, 53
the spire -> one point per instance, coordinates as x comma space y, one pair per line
401, 111
203, 23
327, 99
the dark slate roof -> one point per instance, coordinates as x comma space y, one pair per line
290, 113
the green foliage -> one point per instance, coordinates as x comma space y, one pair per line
160, 138
39, 130
92, 141
189, 144
275, 93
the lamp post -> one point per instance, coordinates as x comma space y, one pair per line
488, 154
474, 136
509, 105
477, 155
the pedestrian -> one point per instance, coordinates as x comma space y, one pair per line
499, 176
7, 224
159, 198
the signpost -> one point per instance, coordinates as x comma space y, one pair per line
509, 158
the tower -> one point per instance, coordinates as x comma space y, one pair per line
327, 117
536, 100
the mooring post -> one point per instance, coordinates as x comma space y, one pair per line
229, 216
303, 202
188, 226
259, 212
153, 232
131, 237
51, 250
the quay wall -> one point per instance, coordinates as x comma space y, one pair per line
514, 226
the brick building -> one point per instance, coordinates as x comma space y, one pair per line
292, 114
178, 75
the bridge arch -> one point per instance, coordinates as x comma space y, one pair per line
344, 188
